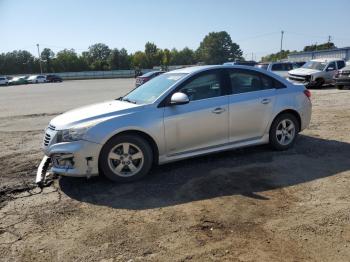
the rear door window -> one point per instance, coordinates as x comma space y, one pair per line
340, 64
243, 81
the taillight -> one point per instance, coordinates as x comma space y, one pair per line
307, 93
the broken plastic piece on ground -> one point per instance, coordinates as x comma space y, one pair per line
42, 174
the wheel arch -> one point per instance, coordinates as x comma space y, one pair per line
142, 134
288, 111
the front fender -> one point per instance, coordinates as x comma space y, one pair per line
149, 121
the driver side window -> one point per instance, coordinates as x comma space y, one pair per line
203, 87
331, 66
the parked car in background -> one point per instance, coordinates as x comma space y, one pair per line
37, 79
19, 80
177, 115
279, 68
342, 78
247, 63
140, 80
317, 72
53, 78
4, 80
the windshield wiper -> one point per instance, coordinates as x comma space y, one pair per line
128, 100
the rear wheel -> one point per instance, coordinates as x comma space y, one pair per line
283, 131
340, 87
126, 158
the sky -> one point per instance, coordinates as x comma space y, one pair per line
255, 25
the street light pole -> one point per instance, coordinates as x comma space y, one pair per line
282, 32
41, 69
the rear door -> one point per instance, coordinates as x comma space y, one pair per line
250, 104
203, 122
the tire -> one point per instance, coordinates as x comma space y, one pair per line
319, 83
120, 166
278, 130
340, 87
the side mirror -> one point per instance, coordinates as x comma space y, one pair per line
179, 99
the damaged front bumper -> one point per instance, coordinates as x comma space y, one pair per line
77, 159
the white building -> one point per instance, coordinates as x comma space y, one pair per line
338, 53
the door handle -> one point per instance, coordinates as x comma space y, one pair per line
218, 110
265, 101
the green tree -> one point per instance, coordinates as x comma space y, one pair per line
185, 56
217, 48
114, 59
124, 59
277, 56
166, 57
67, 60
98, 55
139, 60
153, 56
47, 55
18, 62
325, 46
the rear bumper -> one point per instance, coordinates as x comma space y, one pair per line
306, 115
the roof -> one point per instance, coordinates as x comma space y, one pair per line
192, 69
326, 59
196, 69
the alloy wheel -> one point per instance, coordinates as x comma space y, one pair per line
285, 132
125, 159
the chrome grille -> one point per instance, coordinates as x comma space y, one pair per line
47, 139
52, 127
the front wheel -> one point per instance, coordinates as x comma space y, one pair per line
340, 87
283, 131
319, 83
126, 158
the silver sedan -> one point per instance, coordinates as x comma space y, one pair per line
179, 114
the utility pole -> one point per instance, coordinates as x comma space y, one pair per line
41, 69
252, 56
329, 39
282, 33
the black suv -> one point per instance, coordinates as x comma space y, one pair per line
53, 78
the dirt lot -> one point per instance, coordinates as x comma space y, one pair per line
251, 204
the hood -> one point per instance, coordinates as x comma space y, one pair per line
303, 71
105, 110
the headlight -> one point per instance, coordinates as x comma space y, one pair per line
70, 135
77, 132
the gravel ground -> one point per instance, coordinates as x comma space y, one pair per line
251, 204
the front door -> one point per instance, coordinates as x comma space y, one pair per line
203, 122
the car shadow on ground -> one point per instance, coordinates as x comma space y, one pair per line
244, 171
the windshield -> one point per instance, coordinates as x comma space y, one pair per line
151, 90
315, 65
32, 77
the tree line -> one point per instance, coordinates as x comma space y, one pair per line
215, 48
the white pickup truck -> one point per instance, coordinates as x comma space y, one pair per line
317, 72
